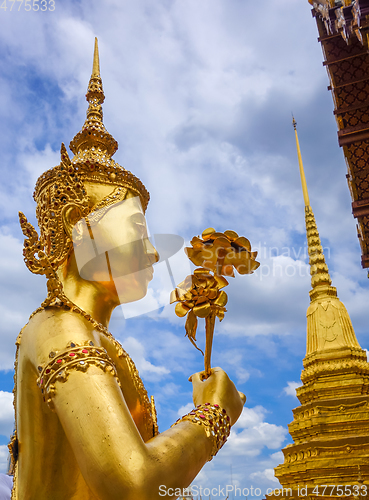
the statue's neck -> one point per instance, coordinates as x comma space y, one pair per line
95, 298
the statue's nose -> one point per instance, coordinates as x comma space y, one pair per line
151, 252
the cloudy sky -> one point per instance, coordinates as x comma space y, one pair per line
199, 95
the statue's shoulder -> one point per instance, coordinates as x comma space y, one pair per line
51, 329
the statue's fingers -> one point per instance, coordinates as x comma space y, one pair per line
197, 377
242, 396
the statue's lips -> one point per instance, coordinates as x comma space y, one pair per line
113, 263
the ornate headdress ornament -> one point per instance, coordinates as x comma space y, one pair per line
65, 184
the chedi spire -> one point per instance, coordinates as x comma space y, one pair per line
330, 427
318, 268
328, 322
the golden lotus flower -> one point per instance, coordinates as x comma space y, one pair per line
200, 295
221, 252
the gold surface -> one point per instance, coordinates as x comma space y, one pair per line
330, 430
85, 426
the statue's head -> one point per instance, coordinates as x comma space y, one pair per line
92, 208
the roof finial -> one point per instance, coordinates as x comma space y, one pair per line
96, 63
318, 268
302, 173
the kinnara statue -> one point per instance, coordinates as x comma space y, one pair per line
85, 427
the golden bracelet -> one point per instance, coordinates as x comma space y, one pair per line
74, 357
216, 422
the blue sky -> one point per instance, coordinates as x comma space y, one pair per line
199, 95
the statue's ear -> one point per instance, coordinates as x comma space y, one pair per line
71, 214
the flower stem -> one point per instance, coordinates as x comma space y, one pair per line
209, 328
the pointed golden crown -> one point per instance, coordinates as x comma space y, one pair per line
93, 148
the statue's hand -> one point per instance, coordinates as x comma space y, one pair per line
218, 389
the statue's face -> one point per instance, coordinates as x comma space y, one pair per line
113, 248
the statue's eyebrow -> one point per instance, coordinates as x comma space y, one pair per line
138, 218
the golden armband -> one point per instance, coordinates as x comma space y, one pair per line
74, 357
215, 421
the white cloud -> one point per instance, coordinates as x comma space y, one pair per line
6, 414
137, 351
185, 409
290, 390
5, 482
251, 434
21, 293
267, 474
242, 375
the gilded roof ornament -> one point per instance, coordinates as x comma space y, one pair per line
328, 322
318, 267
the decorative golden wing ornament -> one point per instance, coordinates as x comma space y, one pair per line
200, 295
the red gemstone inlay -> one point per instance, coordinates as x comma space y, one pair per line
202, 416
72, 354
47, 371
41, 381
85, 351
216, 406
59, 361
206, 409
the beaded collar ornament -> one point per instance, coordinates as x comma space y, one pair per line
65, 184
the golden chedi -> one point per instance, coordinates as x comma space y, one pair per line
330, 429
85, 426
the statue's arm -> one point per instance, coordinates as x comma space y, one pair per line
81, 384
113, 458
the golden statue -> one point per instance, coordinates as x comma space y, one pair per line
85, 427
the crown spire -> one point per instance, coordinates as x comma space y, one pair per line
96, 63
94, 133
318, 267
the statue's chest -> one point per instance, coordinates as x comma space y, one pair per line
134, 392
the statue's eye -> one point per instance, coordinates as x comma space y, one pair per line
139, 221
